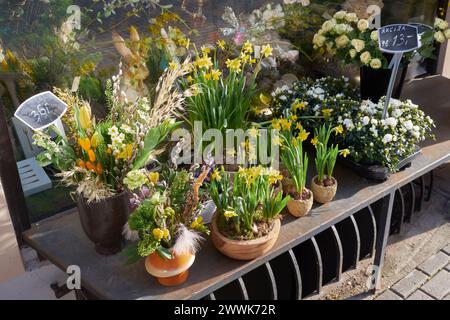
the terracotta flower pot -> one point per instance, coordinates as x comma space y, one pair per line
323, 194
169, 272
244, 249
103, 222
300, 208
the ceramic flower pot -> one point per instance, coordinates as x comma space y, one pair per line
300, 208
244, 249
323, 194
103, 222
169, 272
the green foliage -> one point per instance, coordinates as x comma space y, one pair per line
325, 155
273, 203
294, 159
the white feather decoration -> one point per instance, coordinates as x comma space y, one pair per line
187, 241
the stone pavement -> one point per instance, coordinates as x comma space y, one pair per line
429, 281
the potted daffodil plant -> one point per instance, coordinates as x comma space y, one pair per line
246, 224
324, 185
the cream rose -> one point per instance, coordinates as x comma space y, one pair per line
374, 35
375, 64
447, 33
365, 57
341, 28
328, 25
363, 25
358, 44
342, 41
441, 24
351, 17
340, 15
352, 53
439, 36
319, 40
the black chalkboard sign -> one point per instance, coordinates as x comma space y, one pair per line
396, 38
41, 110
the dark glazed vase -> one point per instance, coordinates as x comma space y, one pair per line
103, 222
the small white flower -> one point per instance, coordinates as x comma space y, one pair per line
365, 121
387, 138
392, 122
408, 125
348, 123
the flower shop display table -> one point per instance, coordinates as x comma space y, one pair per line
297, 265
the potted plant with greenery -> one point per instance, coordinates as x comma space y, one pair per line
324, 185
246, 224
97, 155
166, 222
296, 163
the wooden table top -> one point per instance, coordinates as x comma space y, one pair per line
62, 241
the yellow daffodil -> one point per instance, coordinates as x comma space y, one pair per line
215, 74
91, 155
275, 177
190, 79
206, 50
203, 62
85, 143
221, 44
197, 223
229, 214
276, 124
215, 176
297, 105
247, 47
326, 113
303, 135
158, 233
245, 58
294, 118
173, 65
234, 65
314, 141
266, 51
298, 126
153, 177
339, 129
207, 76
344, 153
277, 141
285, 124
84, 117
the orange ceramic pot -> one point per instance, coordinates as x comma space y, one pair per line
169, 272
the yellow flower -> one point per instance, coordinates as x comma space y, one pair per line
229, 214
247, 47
173, 65
158, 233
276, 124
166, 233
253, 132
215, 176
96, 140
266, 51
206, 50
221, 44
215, 74
84, 117
303, 135
90, 166
85, 143
285, 124
207, 76
298, 126
81, 164
294, 118
245, 58
326, 113
344, 153
91, 155
153, 177
339, 129
234, 65
190, 79
314, 141
197, 223
297, 105
203, 62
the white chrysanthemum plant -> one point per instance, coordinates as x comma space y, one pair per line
350, 39
374, 140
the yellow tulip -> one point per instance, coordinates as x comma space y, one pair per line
85, 143
96, 140
85, 117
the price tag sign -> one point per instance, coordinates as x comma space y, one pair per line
396, 38
41, 110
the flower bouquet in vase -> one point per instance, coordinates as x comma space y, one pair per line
246, 224
97, 155
166, 222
